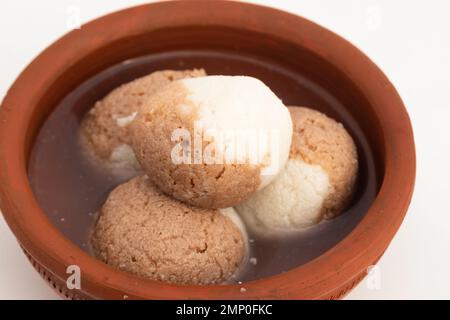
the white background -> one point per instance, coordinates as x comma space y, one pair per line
410, 42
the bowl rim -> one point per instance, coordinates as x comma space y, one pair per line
336, 269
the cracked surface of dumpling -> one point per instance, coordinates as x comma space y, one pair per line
142, 231
213, 141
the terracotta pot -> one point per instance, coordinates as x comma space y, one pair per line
299, 44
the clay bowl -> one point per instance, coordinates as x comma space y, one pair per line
303, 62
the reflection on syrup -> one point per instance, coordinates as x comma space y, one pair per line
70, 190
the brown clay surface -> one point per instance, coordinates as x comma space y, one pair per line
136, 31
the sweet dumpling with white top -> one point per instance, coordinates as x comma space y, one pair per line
212, 141
317, 182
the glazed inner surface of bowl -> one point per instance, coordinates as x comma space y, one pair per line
70, 190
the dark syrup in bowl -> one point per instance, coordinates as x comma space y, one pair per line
70, 189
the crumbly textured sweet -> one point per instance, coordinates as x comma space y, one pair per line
316, 183
105, 128
223, 104
320, 140
142, 231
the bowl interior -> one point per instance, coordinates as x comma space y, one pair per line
70, 190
